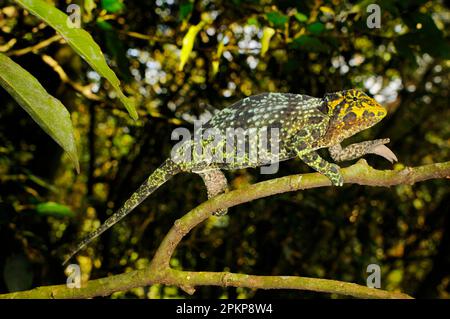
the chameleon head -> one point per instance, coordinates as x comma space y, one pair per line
351, 111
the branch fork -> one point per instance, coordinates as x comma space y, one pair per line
159, 270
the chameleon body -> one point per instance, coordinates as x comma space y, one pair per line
304, 124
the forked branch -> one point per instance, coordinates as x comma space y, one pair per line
159, 270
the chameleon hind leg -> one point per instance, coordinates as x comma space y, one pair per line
216, 183
330, 170
357, 150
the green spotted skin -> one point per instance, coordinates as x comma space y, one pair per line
162, 174
304, 123
297, 117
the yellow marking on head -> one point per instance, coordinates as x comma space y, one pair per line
357, 110
352, 111
332, 104
357, 102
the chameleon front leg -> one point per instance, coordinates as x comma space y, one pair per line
357, 150
316, 162
216, 183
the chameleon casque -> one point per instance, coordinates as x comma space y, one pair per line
305, 124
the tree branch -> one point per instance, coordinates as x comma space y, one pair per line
36, 47
159, 270
86, 90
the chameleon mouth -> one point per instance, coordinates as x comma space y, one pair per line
365, 119
374, 113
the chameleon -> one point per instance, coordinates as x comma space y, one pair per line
304, 125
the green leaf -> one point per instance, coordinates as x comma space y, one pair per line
188, 43
104, 25
265, 40
327, 10
89, 6
278, 19
395, 276
47, 111
301, 17
112, 6
54, 209
115, 49
309, 43
252, 21
81, 41
316, 28
185, 10
41, 182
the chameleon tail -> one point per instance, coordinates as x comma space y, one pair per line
153, 182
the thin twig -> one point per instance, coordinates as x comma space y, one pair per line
84, 90
36, 47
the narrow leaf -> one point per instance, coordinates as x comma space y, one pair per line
265, 40
112, 6
45, 109
188, 43
252, 21
327, 10
278, 19
216, 59
54, 209
316, 27
185, 10
301, 17
309, 43
81, 41
89, 6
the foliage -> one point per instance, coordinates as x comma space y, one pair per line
80, 41
47, 111
176, 59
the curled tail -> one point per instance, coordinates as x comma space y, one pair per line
153, 182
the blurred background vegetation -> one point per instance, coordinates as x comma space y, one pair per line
239, 48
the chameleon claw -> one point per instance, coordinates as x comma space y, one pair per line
340, 182
221, 212
337, 182
335, 176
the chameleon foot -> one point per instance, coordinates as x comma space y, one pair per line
216, 183
330, 170
221, 212
357, 150
334, 175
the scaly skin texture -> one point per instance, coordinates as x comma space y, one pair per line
304, 124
